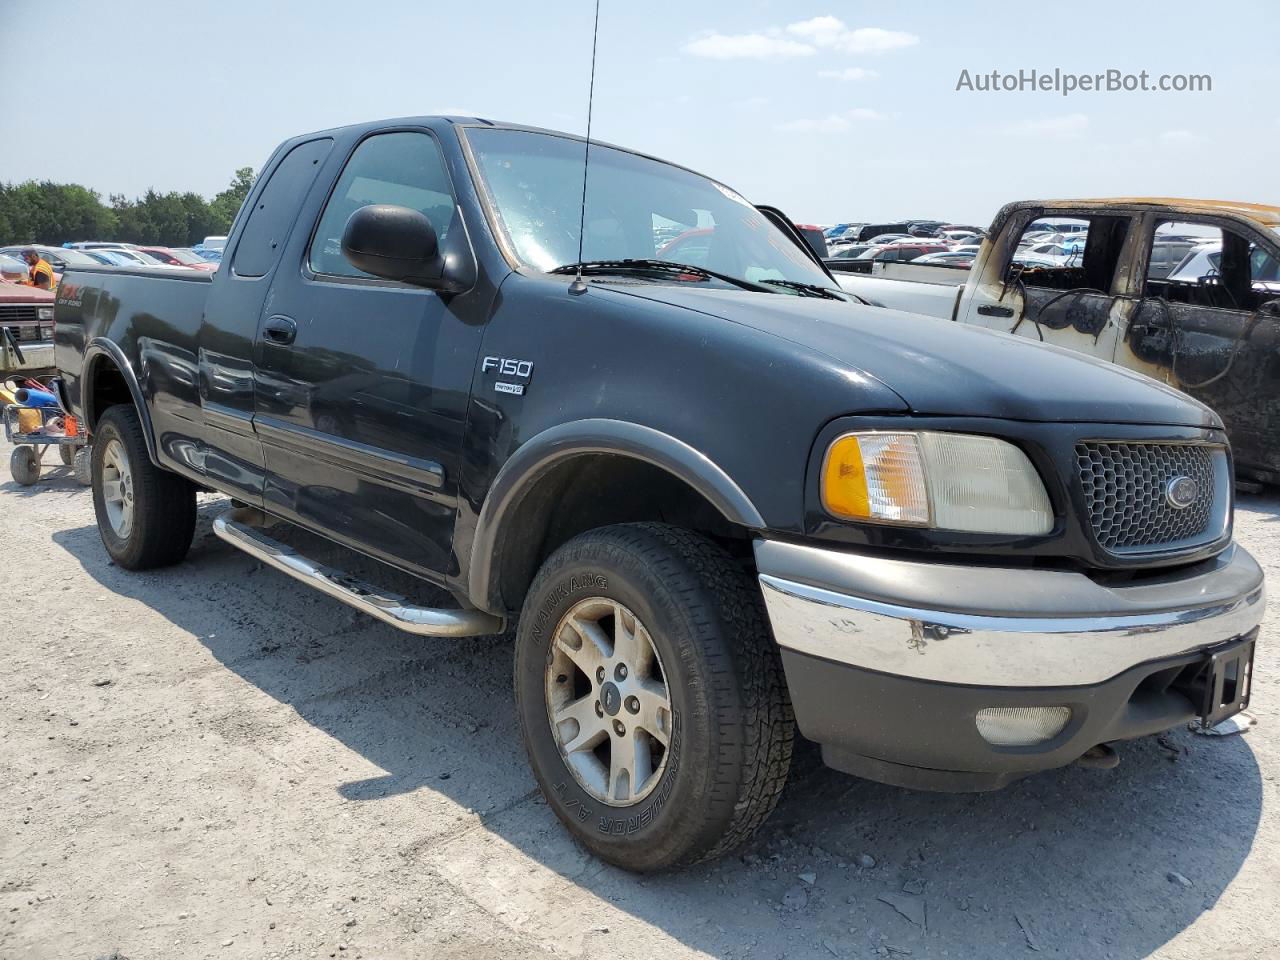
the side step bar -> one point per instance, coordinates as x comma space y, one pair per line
243, 528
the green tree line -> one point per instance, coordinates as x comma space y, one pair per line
57, 213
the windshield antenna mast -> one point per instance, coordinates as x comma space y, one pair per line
578, 285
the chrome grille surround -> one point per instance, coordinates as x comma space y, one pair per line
1124, 485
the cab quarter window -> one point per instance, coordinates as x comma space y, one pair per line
274, 210
1073, 253
1209, 266
403, 168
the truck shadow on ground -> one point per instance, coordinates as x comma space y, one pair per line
1075, 863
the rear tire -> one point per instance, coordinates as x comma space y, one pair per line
729, 726
82, 466
24, 465
146, 516
67, 453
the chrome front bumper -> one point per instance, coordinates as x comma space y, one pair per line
994, 626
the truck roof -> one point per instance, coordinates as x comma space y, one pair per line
1262, 214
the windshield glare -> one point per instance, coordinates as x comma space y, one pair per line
637, 208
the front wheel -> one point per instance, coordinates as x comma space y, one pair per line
651, 697
146, 516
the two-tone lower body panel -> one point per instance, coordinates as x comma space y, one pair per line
949, 676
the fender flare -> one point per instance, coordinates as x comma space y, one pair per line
538, 455
94, 354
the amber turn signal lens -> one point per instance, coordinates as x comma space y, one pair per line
876, 476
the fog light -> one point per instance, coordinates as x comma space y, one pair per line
1021, 726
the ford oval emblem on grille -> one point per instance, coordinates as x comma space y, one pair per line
1181, 492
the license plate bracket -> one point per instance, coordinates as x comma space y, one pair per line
1222, 685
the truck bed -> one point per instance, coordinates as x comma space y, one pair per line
151, 314
932, 290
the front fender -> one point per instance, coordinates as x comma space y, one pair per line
545, 450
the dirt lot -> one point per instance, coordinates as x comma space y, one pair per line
210, 762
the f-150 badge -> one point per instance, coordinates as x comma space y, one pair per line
510, 369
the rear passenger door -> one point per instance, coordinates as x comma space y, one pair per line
1209, 325
362, 384
228, 449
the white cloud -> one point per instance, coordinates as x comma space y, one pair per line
831, 33
1180, 138
849, 74
1066, 127
747, 46
832, 123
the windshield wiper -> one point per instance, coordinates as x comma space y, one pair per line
810, 288
662, 266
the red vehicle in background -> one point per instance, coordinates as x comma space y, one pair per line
26, 323
179, 258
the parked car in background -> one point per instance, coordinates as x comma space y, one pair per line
12, 269
60, 258
208, 254
850, 251
947, 258
218, 243
840, 230
178, 258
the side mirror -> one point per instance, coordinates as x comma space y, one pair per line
394, 243
1270, 309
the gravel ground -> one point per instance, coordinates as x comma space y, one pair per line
210, 761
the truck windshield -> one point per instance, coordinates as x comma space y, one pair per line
637, 209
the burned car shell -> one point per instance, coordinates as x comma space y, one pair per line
1228, 358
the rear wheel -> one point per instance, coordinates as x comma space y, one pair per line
146, 516
82, 466
651, 697
24, 465
67, 453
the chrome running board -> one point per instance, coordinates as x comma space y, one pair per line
244, 528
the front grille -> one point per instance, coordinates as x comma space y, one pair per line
1125, 488
17, 313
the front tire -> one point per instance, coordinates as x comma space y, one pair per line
146, 516
650, 696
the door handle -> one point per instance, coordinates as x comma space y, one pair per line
279, 329
991, 310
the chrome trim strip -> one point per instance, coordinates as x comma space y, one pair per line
387, 466
998, 651
242, 528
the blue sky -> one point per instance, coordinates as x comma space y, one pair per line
831, 110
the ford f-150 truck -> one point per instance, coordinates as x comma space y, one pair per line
718, 498
1186, 291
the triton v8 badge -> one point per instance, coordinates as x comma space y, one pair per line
512, 370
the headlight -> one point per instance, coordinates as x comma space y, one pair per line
44, 313
949, 481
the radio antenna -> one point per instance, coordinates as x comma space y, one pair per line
578, 285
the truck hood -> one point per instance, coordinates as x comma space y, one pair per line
941, 368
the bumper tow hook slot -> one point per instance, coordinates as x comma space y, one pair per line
1101, 757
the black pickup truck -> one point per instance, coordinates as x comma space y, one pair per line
719, 498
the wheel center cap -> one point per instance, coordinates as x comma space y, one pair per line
610, 699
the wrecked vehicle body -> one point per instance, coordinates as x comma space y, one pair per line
1185, 291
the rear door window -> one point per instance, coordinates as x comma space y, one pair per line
276, 207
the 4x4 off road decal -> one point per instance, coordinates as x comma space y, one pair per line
515, 373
